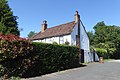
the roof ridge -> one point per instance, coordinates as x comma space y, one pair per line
60, 25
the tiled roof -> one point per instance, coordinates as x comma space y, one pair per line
59, 30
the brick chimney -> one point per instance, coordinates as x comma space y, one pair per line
77, 17
77, 21
44, 26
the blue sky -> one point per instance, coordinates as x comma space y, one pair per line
31, 13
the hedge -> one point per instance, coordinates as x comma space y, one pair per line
56, 57
36, 59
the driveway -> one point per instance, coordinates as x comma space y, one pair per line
94, 71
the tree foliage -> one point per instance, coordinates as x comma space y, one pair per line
8, 23
31, 34
106, 37
91, 36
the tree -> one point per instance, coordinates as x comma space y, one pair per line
99, 24
8, 23
106, 37
31, 34
91, 36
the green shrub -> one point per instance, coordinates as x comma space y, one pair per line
106, 53
54, 43
102, 53
56, 57
42, 59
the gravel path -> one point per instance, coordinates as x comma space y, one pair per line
94, 71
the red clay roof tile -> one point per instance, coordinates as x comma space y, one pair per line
59, 30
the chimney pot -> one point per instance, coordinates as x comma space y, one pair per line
77, 17
76, 12
44, 22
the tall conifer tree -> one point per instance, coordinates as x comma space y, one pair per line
8, 23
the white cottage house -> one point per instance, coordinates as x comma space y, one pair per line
72, 32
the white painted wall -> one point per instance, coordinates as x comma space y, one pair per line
84, 40
58, 39
36, 40
73, 35
54, 39
67, 38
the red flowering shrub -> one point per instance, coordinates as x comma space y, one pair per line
12, 46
